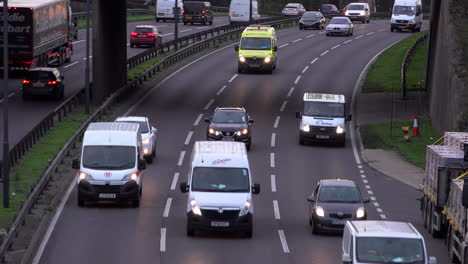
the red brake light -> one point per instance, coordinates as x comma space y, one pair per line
320, 9
230, 14
27, 62
52, 82
151, 34
203, 11
133, 34
26, 81
183, 10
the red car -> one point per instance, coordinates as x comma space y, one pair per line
145, 35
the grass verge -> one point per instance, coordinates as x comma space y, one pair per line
417, 68
34, 163
136, 71
384, 74
378, 136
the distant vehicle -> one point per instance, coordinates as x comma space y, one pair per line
312, 19
407, 14
36, 38
293, 9
257, 49
197, 12
343, 10
371, 3
323, 117
220, 189
358, 11
340, 26
239, 11
370, 241
333, 202
148, 135
110, 166
230, 124
329, 9
145, 35
43, 81
165, 9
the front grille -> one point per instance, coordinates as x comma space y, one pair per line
228, 134
336, 28
402, 21
225, 215
254, 60
107, 188
343, 216
322, 129
354, 14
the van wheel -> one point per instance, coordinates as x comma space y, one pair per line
211, 22
190, 230
149, 159
249, 232
136, 203
315, 230
81, 202
301, 140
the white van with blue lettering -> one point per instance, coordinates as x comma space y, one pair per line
219, 188
323, 117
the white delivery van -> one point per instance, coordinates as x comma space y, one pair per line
370, 241
407, 14
323, 117
239, 11
165, 9
111, 163
219, 188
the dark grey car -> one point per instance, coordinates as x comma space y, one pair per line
312, 20
333, 202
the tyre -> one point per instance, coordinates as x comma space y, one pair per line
343, 143
185, 23
157, 19
149, 159
58, 95
190, 230
249, 231
314, 228
248, 145
211, 22
364, 21
301, 140
81, 202
239, 70
300, 28
391, 29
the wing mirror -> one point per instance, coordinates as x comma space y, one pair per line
207, 120
298, 115
76, 164
349, 117
184, 187
154, 130
141, 164
251, 121
275, 48
256, 188
311, 199
346, 259
366, 200
62, 78
236, 47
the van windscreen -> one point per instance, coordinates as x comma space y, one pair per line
109, 157
194, 6
356, 7
323, 109
389, 250
404, 10
255, 44
211, 179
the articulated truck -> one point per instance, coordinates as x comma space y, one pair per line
445, 196
39, 33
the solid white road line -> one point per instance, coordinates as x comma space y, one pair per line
181, 158
168, 34
221, 90
273, 183
348, 41
379, 210
282, 46
200, 116
78, 41
162, 242
290, 91
272, 160
297, 40
69, 65
204, 27
310, 36
233, 77
168, 207
273, 140
283, 106
276, 122
189, 136
174, 181
325, 52
305, 69
376, 204
284, 243
383, 216
186, 30
297, 79
209, 104
336, 46
313, 61
276, 210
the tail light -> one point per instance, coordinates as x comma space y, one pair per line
203, 11
183, 10
151, 34
26, 81
52, 82
230, 14
320, 9
27, 62
133, 34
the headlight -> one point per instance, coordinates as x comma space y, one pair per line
267, 59
195, 209
213, 132
392, 20
132, 176
146, 141
241, 58
244, 131
346, 13
145, 151
319, 211
362, 13
412, 21
339, 130
246, 208
360, 212
305, 128
85, 176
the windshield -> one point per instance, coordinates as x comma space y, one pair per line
339, 21
39, 75
210, 179
339, 194
292, 6
143, 30
311, 15
109, 157
389, 250
404, 10
326, 7
255, 44
194, 6
322, 109
356, 7
229, 117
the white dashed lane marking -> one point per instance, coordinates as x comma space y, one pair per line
376, 204
348, 41
370, 192
174, 180
162, 242
200, 116
325, 52
276, 210
273, 140
297, 40
379, 210
358, 37
383, 216
310, 36
282, 46
186, 30
233, 77
69, 65
275, 125
168, 34
313, 61
272, 160
373, 198
305, 69
370, 33
273, 183
181, 158
337, 46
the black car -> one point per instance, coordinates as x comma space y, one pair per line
312, 20
197, 12
43, 81
230, 124
333, 202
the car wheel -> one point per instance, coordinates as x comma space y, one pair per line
190, 230
154, 151
149, 159
239, 70
249, 232
364, 21
81, 202
185, 23
326, 34
300, 28
314, 228
392, 29
211, 22
58, 95
301, 140
136, 202
248, 145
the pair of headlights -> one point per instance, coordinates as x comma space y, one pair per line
267, 59
359, 213
244, 131
339, 129
132, 176
197, 211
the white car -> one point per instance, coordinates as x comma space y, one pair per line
148, 135
340, 26
293, 9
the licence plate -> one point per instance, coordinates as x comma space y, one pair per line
227, 139
338, 222
160, 14
189, 17
322, 136
107, 195
219, 224
142, 36
38, 85
235, 15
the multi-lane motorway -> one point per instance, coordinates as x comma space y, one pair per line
155, 233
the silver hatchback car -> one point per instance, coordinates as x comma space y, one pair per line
340, 26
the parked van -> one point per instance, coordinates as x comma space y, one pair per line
407, 14
239, 11
323, 117
111, 163
219, 188
383, 242
165, 9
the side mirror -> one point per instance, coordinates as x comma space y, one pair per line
346, 259
251, 121
141, 164
465, 194
154, 130
207, 120
311, 199
432, 260
236, 47
256, 188
62, 78
76, 164
184, 187
367, 9
298, 115
275, 48
366, 200
349, 117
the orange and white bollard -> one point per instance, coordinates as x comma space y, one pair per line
415, 125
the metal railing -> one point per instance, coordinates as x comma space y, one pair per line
82, 15
407, 60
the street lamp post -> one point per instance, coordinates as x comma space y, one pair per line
176, 24
87, 92
6, 147
250, 14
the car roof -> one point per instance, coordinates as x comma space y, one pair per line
358, 4
378, 228
322, 97
292, 4
259, 31
230, 109
145, 26
337, 182
48, 69
340, 17
131, 118
309, 12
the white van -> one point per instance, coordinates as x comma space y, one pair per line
219, 188
358, 11
383, 242
407, 14
323, 117
111, 163
239, 11
165, 9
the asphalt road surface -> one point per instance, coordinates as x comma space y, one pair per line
288, 172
